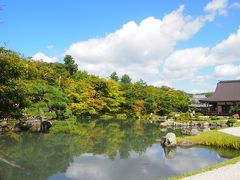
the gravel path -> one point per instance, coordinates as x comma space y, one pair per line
229, 172
233, 131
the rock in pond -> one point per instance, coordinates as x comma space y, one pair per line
169, 140
46, 125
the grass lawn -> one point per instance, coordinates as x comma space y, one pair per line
213, 138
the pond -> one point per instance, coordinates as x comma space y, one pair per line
112, 152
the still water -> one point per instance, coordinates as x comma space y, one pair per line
101, 153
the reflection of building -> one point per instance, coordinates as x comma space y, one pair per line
226, 95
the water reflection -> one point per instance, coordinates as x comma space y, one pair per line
153, 164
170, 153
111, 152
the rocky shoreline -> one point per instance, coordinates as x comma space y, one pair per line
31, 125
200, 124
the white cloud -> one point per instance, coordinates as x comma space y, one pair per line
226, 70
151, 164
50, 47
235, 5
217, 6
197, 91
185, 58
140, 49
162, 83
136, 49
227, 51
184, 64
42, 57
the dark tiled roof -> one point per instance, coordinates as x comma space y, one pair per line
225, 91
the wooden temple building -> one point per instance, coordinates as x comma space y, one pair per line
226, 95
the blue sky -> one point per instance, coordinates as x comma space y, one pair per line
187, 45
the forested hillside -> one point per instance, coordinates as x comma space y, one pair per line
61, 91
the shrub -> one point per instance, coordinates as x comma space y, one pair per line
235, 109
183, 117
106, 117
200, 119
214, 118
231, 121
121, 116
198, 114
172, 115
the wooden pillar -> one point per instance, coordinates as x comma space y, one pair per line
207, 108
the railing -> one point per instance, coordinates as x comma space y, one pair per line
218, 113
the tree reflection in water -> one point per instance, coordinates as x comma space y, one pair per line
43, 155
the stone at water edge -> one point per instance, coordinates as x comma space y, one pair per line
224, 124
194, 132
206, 129
205, 124
46, 125
186, 143
170, 139
32, 126
36, 127
17, 127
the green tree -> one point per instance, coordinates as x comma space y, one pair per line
113, 98
70, 65
139, 107
85, 97
12, 95
114, 76
47, 101
61, 91
125, 79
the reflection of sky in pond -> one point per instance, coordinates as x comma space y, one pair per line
113, 155
151, 165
